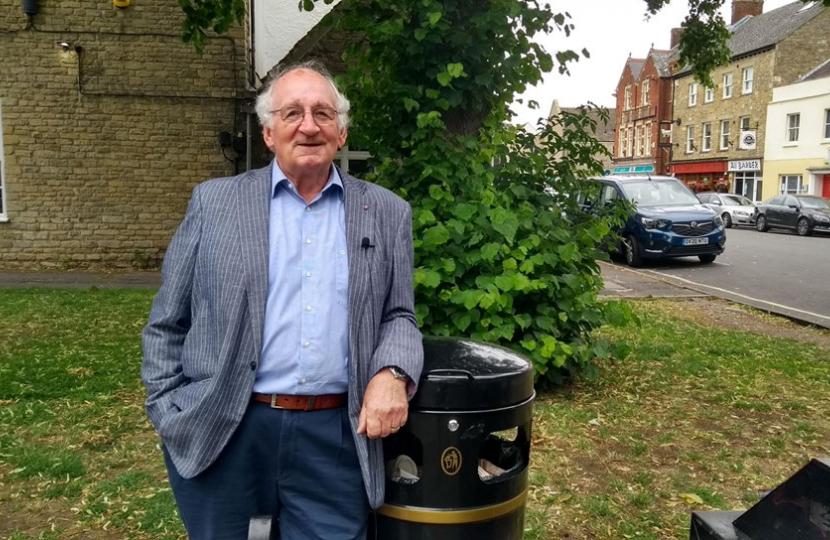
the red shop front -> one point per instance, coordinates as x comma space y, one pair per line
702, 173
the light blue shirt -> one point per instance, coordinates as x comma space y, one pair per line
305, 339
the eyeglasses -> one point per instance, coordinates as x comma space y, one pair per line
322, 116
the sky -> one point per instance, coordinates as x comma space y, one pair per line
610, 30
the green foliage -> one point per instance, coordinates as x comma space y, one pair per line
502, 251
202, 15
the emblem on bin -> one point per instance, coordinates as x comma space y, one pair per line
451, 461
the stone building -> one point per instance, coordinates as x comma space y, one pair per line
604, 132
719, 132
644, 114
107, 122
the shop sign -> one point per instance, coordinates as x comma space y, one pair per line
634, 169
745, 165
748, 140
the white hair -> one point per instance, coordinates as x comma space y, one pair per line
265, 99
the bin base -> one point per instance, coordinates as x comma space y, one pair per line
507, 527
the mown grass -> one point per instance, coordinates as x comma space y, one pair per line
698, 417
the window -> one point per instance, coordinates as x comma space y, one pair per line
692, 94
744, 121
791, 183
2, 172
727, 85
826, 124
644, 93
707, 137
630, 138
638, 150
690, 139
709, 95
623, 143
353, 161
627, 97
793, 122
724, 134
647, 140
749, 73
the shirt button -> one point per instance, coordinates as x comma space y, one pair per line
308, 308
253, 366
308, 274
308, 240
308, 209
306, 344
302, 381
342, 251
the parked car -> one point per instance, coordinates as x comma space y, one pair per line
667, 219
733, 209
801, 213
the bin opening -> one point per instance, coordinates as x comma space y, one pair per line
404, 456
501, 457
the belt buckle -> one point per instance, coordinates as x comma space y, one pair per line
309, 404
274, 402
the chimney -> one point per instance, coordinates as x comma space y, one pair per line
675, 37
742, 8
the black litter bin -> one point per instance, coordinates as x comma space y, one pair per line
458, 469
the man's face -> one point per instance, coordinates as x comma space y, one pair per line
303, 147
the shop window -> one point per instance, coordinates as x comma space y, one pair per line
791, 184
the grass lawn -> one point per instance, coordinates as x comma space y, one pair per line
715, 404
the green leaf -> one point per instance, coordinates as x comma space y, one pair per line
434, 17
444, 79
464, 211
435, 236
489, 251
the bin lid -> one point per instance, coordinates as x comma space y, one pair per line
463, 374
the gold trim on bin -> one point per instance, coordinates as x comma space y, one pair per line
448, 517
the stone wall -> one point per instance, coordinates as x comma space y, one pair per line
803, 50
106, 136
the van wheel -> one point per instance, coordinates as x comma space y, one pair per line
707, 259
632, 252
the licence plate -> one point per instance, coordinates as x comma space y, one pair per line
695, 241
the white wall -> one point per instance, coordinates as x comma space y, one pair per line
810, 99
278, 26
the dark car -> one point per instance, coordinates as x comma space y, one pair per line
667, 219
801, 213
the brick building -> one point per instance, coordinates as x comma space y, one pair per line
643, 115
721, 129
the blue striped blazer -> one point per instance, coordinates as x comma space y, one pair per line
202, 342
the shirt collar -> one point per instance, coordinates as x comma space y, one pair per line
278, 178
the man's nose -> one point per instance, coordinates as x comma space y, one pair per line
307, 124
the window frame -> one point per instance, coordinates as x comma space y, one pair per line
748, 80
827, 124
627, 105
346, 155
793, 130
630, 137
727, 86
647, 140
690, 139
724, 134
709, 94
706, 137
645, 90
785, 184
741, 121
692, 94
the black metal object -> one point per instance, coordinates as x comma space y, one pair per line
474, 403
30, 7
798, 509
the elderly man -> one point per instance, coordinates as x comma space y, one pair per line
283, 343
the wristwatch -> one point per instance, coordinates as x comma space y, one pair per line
399, 374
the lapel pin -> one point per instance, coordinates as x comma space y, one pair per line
365, 206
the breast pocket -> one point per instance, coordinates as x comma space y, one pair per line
341, 276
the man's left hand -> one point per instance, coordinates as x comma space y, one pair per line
385, 406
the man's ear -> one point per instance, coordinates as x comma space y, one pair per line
268, 136
341, 138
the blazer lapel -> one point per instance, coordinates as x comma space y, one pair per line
360, 224
252, 208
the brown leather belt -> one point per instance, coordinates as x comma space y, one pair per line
301, 403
